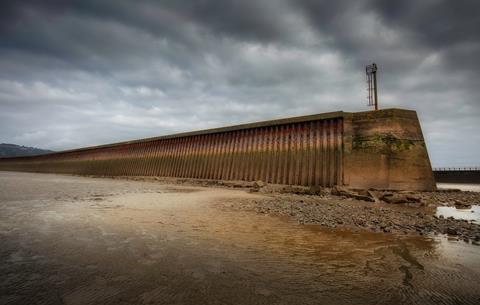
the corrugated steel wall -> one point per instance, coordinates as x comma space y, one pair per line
305, 153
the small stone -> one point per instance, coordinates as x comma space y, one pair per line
258, 184
412, 198
451, 231
462, 205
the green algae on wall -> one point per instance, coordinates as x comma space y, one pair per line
381, 142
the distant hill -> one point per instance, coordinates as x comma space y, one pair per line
12, 150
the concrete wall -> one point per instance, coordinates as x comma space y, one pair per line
382, 149
386, 150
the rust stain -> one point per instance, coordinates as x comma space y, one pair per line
298, 153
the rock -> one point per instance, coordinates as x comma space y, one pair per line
338, 190
381, 218
237, 184
373, 195
397, 198
392, 198
294, 189
412, 198
451, 231
316, 190
364, 198
343, 191
448, 190
462, 205
258, 184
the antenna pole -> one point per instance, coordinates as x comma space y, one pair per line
372, 96
375, 86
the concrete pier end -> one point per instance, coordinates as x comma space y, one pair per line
385, 149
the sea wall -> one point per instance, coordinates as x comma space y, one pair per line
380, 149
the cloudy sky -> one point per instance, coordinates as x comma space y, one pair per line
78, 73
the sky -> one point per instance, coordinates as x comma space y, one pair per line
82, 73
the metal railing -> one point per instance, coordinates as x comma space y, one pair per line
449, 169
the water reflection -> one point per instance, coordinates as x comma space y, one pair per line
472, 214
460, 186
111, 242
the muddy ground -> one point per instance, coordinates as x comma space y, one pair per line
77, 240
405, 212
358, 215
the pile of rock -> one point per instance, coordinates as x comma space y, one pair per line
334, 213
451, 198
445, 197
377, 196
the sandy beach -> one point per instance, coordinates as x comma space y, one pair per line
79, 240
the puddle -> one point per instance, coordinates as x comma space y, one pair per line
472, 214
460, 186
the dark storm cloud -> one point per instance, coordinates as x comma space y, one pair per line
436, 23
76, 73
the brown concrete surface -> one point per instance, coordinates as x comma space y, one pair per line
75, 240
374, 149
386, 150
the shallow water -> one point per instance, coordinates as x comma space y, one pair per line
472, 214
72, 240
460, 186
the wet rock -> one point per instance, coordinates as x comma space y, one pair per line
392, 198
397, 198
451, 231
343, 191
259, 184
237, 184
348, 213
292, 189
448, 190
338, 190
373, 195
462, 205
316, 190
413, 198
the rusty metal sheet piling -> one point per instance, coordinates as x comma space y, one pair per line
303, 153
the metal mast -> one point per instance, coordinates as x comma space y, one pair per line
372, 96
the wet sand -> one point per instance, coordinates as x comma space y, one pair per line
75, 240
